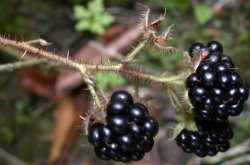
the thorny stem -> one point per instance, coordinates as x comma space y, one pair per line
84, 67
135, 51
96, 99
38, 52
20, 64
174, 99
94, 95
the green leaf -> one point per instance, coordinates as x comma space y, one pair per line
82, 25
202, 14
81, 12
93, 18
106, 19
97, 29
180, 4
108, 80
96, 6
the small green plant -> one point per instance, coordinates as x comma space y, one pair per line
92, 18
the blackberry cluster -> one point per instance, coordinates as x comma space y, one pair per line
129, 131
208, 140
216, 92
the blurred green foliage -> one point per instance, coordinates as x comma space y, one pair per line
177, 4
23, 110
202, 13
109, 80
92, 18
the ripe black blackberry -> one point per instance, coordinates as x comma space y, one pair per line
208, 140
195, 47
129, 131
215, 89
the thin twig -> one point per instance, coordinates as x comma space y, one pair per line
10, 158
20, 64
245, 159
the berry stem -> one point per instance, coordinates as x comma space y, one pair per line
135, 51
94, 95
174, 99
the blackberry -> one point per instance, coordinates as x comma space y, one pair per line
215, 46
208, 140
118, 124
129, 131
215, 90
195, 47
122, 96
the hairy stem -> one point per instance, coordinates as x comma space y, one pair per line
135, 51
20, 64
94, 95
23, 46
174, 99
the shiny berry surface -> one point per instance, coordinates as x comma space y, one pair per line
224, 81
118, 124
195, 47
126, 143
213, 59
215, 46
235, 109
207, 78
216, 92
192, 80
128, 130
236, 80
137, 112
244, 93
117, 108
210, 139
122, 96
151, 127
204, 66
197, 94
137, 130
227, 61
102, 153
220, 67
95, 135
